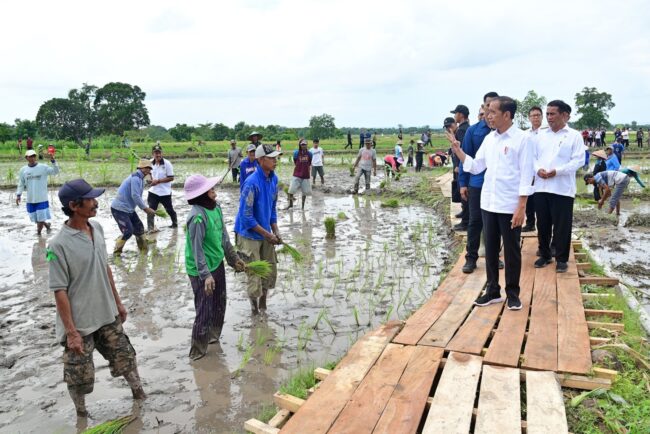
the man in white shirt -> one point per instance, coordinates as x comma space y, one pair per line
508, 158
161, 188
559, 153
317, 162
535, 117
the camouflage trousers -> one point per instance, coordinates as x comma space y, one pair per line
112, 343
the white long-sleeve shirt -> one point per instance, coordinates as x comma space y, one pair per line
562, 151
508, 158
34, 180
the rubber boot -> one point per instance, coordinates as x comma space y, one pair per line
254, 307
150, 223
133, 378
79, 400
142, 243
262, 301
119, 245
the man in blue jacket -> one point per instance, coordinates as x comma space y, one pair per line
247, 166
256, 224
471, 186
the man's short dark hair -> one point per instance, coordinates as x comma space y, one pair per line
507, 104
561, 106
67, 210
535, 108
490, 95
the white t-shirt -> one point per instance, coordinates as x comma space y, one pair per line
367, 157
626, 135
316, 156
161, 171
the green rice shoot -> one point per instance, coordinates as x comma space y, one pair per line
160, 212
295, 254
259, 268
390, 203
115, 426
330, 227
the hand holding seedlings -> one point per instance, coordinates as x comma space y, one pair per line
239, 265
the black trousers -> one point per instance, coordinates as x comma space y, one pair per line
153, 200
554, 219
235, 174
475, 226
530, 211
464, 217
495, 228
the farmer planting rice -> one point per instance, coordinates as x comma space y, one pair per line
33, 178
206, 245
129, 196
89, 312
256, 224
162, 175
609, 180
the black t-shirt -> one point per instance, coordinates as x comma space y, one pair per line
459, 135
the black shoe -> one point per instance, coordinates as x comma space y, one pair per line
459, 215
542, 262
553, 251
561, 267
460, 227
174, 225
528, 228
538, 253
469, 267
501, 265
488, 299
514, 303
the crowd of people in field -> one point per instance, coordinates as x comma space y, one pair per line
506, 179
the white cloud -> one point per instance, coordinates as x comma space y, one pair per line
372, 63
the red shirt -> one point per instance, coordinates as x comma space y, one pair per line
302, 161
30, 143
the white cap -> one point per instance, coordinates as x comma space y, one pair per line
30, 153
266, 151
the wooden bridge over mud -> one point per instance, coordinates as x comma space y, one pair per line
455, 368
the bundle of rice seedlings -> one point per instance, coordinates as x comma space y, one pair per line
330, 227
638, 219
259, 268
295, 254
342, 216
390, 203
115, 426
160, 212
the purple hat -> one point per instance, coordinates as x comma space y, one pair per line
78, 189
196, 185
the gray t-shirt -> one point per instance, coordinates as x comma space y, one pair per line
234, 158
79, 265
367, 157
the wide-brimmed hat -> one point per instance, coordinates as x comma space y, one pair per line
30, 153
635, 168
266, 151
144, 163
255, 133
196, 185
78, 189
600, 154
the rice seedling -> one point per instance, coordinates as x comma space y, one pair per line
115, 426
246, 357
160, 212
320, 316
260, 337
11, 176
329, 323
240, 342
382, 184
390, 203
330, 227
259, 268
388, 314
269, 355
342, 216
355, 313
295, 254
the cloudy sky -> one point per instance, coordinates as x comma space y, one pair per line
368, 63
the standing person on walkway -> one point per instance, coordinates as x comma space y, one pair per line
535, 117
559, 153
461, 116
129, 197
160, 192
470, 189
367, 161
317, 161
89, 311
206, 245
300, 181
33, 178
613, 180
247, 166
507, 160
256, 224
234, 160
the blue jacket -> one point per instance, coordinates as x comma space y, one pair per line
471, 143
612, 162
257, 204
129, 195
246, 169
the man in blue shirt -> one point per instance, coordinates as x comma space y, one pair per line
247, 166
129, 196
471, 186
256, 224
612, 162
618, 149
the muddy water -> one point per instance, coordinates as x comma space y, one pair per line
382, 264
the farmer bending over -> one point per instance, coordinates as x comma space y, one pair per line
613, 180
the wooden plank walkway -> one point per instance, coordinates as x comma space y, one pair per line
456, 368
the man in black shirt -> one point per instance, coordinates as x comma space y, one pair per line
461, 116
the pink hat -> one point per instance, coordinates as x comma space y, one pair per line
196, 185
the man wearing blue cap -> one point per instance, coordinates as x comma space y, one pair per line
89, 311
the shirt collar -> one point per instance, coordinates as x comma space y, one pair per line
506, 133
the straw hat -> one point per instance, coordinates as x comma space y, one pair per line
600, 154
144, 163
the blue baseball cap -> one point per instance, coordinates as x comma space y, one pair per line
78, 189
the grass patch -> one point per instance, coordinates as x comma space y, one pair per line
390, 203
299, 383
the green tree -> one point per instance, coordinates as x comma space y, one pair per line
322, 126
182, 132
204, 131
25, 128
84, 99
61, 119
221, 132
241, 130
157, 132
6, 132
593, 106
120, 107
523, 107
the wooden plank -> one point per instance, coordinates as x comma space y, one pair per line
506, 344
363, 410
406, 406
320, 373
580, 256
453, 402
599, 280
475, 331
418, 324
585, 383
583, 266
573, 347
592, 296
445, 327
541, 345
499, 409
320, 411
288, 402
257, 427
601, 312
593, 341
610, 374
606, 325
544, 404
280, 418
